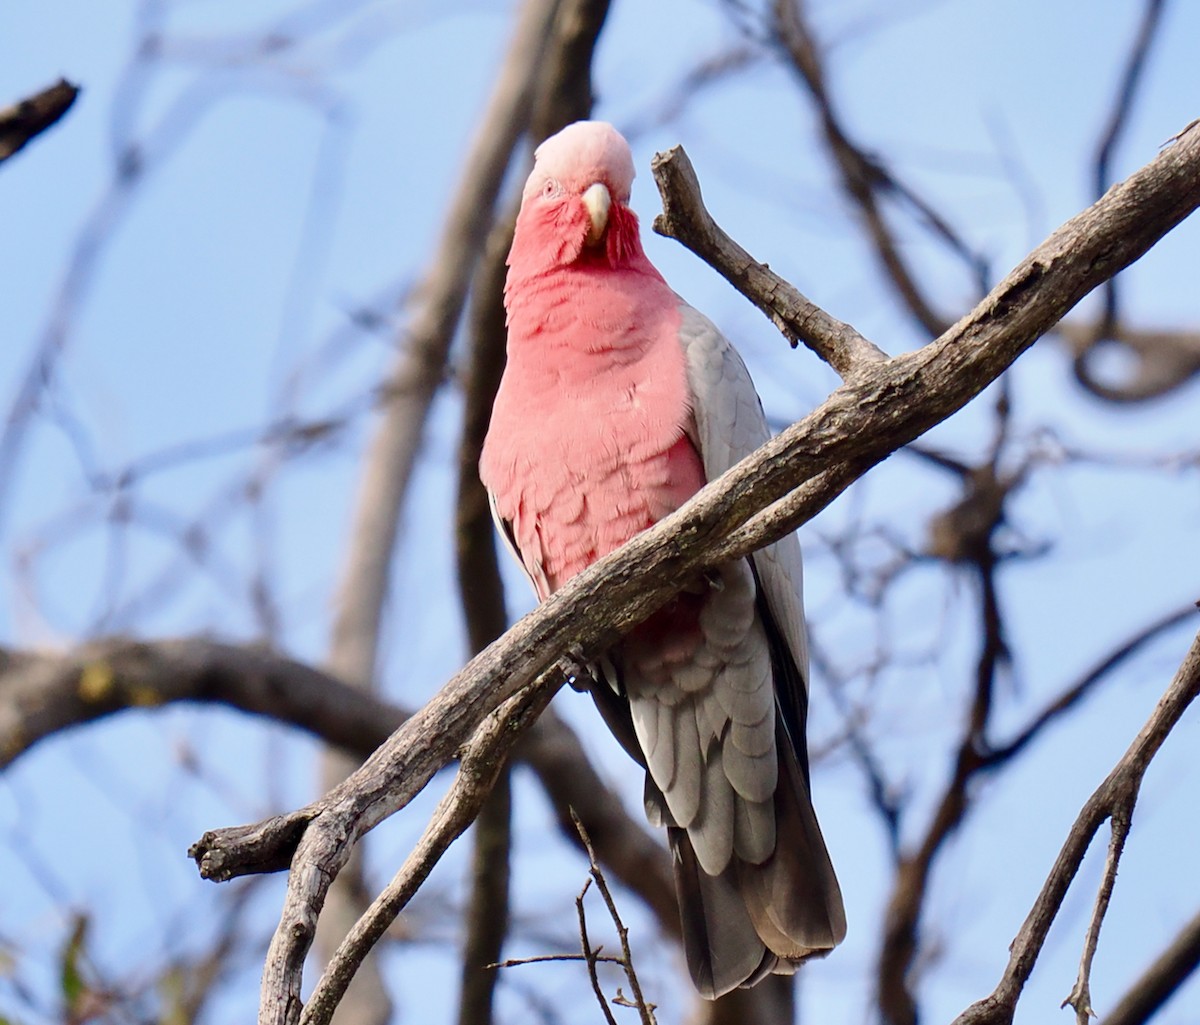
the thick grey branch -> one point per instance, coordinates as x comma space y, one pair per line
884, 407
44, 692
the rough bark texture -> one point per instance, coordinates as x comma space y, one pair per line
883, 405
1114, 798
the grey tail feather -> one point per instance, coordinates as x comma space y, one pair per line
722, 948
793, 898
754, 920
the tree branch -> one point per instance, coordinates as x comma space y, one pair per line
482, 761
1080, 997
1115, 796
1161, 979
881, 409
23, 121
685, 219
43, 693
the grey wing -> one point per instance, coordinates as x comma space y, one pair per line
730, 424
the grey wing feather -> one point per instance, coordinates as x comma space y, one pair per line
730, 424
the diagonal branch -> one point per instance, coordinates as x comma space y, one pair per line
863, 178
862, 422
1161, 979
685, 219
1114, 798
1080, 997
23, 121
1072, 695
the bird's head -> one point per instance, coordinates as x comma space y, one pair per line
575, 205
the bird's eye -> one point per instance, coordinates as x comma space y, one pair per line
550, 188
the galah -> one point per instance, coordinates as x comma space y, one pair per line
618, 402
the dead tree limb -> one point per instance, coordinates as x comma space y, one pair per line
1114, 797
884, 405
21, 122
1161, 979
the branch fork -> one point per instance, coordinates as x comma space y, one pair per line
883, 405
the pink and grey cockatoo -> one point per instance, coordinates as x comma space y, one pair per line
618, 403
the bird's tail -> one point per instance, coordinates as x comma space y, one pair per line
755, 919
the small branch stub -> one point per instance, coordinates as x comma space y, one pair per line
22, 121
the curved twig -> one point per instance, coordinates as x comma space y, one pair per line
1115, 796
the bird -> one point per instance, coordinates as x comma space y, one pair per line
618, 402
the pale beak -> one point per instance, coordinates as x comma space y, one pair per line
597, 202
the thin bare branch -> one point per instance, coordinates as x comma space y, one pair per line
1118, 119
685, 219
860, 424
1116, 795
24, 121
862, 177
591, 955
1073, 694
1161, 979
645, 1010
1080, 997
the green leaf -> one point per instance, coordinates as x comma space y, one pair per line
70, 966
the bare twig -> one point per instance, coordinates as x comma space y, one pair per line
515, 962
1161, 979
591, 955
863, 178
23, 121
1080, 997
645, 1010
685, 219
481, 763
1117, 794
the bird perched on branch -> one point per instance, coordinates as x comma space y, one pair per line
618, 403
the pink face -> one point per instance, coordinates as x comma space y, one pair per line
582, 154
